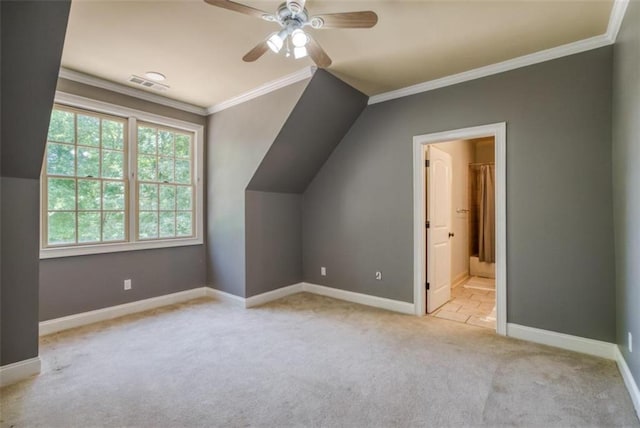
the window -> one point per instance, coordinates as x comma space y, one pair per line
165, 183
85, 185
115, 179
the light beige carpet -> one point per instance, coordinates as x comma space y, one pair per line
308, 361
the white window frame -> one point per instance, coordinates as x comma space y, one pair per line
133, 117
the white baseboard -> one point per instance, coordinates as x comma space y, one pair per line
363, 299
15, 372
629, 381
78, 320
224, 296
261, 299
349, 296
563, 341
84, 318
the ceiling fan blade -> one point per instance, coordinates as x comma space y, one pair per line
256, 52
364, 19
237, 7
317, 54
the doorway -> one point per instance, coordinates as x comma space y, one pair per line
441, 214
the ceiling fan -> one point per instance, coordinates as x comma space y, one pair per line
292, 17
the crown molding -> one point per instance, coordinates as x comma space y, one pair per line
271, 86
98, 82
489, 70
615, 21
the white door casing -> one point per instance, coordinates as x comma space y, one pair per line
499, 132
439, 220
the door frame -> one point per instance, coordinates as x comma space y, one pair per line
499, 132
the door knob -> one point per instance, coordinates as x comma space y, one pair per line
451, 235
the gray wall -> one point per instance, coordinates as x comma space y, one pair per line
72, 285
32, 36
69, 285
626, 179
19, 276
273, 241
357, 212
238, 140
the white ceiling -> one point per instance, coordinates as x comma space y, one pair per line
199, 47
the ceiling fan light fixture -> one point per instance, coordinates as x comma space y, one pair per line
275, 41
317, 22
299, 38
295, 6
299, 52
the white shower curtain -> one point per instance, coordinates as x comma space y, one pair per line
487, 215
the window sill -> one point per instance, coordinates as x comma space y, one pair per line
53, 253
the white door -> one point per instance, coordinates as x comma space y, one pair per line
439, 226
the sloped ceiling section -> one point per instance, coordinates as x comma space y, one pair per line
323, 116
32, 38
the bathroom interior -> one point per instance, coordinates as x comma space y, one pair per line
473, 284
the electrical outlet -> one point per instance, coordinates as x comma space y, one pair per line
630, 341
323, 271
127, 284
379, 276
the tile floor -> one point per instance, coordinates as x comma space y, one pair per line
471, 305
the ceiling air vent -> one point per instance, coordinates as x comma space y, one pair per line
148, 83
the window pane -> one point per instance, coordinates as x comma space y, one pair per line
60, 159
148, 225
184, 197
147, 168
88, 195
183, 145
112, 135
167, 197
61, 127
148, 196
165, 143
89, 227
183, 171
183, 224
112, 164
88, 130
167, 224
62, 228
114, 194
113, 226
88, 162
61, 193
90, 150
146, 140
165, 169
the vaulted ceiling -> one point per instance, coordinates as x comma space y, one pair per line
199, 47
